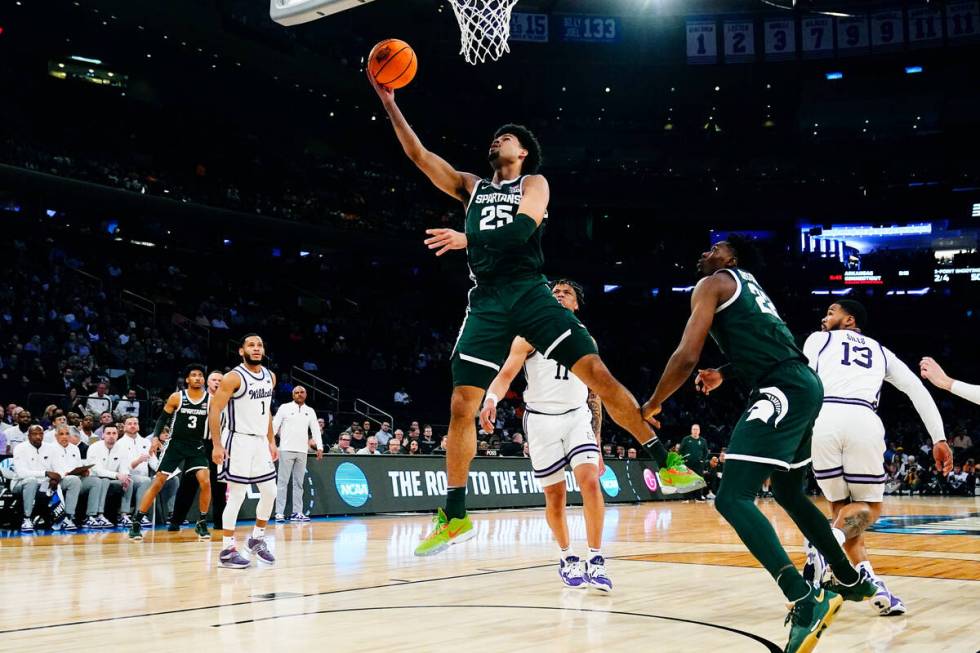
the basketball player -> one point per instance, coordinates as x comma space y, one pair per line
187, 413
188, 485
510, 297
932, 371
562, 422
249, 449
849, 438
772, 438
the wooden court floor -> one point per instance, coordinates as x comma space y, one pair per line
683, 582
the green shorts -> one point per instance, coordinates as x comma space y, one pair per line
183, 455
496, 313
777, 427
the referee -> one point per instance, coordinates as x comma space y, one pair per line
188, 484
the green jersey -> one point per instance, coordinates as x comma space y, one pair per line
750, 332
493, 206
190, 420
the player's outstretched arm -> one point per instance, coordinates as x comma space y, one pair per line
229, 385
934, 373
519, 350
705, 299
899, 375
440, 173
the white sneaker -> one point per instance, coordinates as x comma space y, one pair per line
124, 521
68, 524
103, 522
280, 517
595, 575
27, 526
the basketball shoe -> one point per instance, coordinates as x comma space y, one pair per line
570, 571
886, 603
809, 618
232, 559
815, 567
201, 530
862, 590
678, 477
595, 575
135, 531
445, 533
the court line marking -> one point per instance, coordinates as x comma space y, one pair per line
772, 647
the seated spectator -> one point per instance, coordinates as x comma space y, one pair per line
607, 451
441, 449
631, 453
49, 435
620, 452
514, 447
357, 439
394, 447
33, 465
105, 419
961, 443
956, 480
343, 445
401, 397
366, 427
370, 448
98, 402
383, 434
428, 441
76, 479
18, 432
482, 448
86, 429
413, 448
526, 452
128, 407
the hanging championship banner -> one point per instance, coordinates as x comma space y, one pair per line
702, 42
739, 41
817, 34
887, 30
853, 35
780, 37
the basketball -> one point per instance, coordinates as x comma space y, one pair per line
392, 63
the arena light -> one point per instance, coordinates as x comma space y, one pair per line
609, 287
913, 70
842, 291
819, 292
97, 62
845, 231
976, 210
681, 288
834, 75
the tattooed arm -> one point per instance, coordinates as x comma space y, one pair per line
595, 405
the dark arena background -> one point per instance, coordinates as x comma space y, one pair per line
176, 175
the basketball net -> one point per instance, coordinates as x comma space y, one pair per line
484, 27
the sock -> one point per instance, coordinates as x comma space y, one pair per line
564, 553
787, 583
456, 502
227, 542
839, 535
594, 552
657, 450
258, 533
866, 565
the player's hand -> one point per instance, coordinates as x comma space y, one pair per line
602, 465
649, 412
708, 380
386, 94
944, 457
445, 240
274, 451
933, 372
488, 416
319, 454
218, 455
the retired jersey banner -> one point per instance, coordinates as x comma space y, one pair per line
925, 26
702, 41
780, 39
853, 35
817, 34
962, 21
590, 29
739, 41
529, 28
887, 30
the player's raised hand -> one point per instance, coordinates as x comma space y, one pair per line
386, 94
488, 415
708, 380
943, 456
934, 373
445, 240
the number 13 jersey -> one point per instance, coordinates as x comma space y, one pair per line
250, 407
493, 206
851, 366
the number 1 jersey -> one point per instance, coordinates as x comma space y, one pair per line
493, 206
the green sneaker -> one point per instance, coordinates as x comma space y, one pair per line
676, 477
202, 531
862, 590
445, 533
809, 617
136, 531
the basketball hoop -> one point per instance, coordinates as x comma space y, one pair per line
484, 27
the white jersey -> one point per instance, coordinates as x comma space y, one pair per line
250, 407
551, 388
853, 366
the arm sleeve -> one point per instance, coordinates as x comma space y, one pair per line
814, 345
161, 422
315, 431
966, 391
509, 235
900, 376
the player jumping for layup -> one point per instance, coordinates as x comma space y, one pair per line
849, 438
249, 450
510, 297
187, 413
773, 435
562, 422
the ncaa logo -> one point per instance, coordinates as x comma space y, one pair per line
609, 482
352, 485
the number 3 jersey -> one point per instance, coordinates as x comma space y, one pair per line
749, 331
494, 206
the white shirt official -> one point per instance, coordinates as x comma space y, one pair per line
295, 425
65, 459
108, 463
32, 463
132, 448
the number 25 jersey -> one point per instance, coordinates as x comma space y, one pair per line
494, 206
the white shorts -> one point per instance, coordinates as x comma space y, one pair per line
247, 459
849, 452
554, 441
